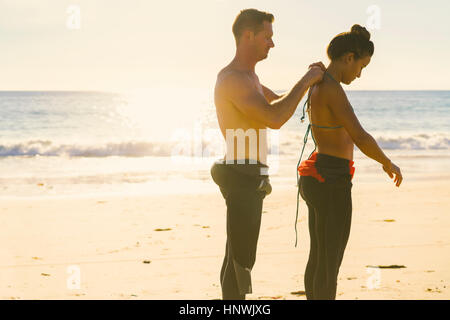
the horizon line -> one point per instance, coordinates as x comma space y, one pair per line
126, 91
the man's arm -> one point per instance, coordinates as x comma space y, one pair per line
240, 90
269, 94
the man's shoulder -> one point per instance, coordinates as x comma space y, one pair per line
232, 79
230, 73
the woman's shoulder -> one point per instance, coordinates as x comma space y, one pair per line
327, 89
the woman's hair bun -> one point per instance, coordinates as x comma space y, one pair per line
361, 31
356, 41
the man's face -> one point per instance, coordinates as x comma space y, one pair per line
263, 41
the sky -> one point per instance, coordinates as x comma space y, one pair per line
136, 44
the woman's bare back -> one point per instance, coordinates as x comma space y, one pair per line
332, 141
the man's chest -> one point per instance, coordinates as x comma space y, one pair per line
255, 80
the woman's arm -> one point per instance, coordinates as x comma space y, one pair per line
337, 101
343, 111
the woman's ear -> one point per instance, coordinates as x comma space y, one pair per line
349, 57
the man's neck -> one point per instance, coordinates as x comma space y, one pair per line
244, 61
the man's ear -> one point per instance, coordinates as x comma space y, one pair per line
248, 34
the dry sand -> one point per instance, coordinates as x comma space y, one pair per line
109, 238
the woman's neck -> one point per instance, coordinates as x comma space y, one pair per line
335, 71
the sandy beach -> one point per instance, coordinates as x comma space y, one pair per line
172, 246
113, 113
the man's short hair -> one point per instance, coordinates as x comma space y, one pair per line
250, 19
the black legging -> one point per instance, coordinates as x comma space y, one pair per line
243, 224
330, 211
240, 185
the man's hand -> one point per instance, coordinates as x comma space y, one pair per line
314, 75
318, 64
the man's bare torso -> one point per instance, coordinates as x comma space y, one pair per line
230, 117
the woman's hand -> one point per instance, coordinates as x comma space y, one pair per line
391, 169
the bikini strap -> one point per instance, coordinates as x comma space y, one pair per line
302, 119
324, 127
331, 77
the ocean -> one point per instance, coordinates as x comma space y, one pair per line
71, 144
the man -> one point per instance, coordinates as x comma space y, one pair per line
245, 109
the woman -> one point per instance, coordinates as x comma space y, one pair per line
325, 178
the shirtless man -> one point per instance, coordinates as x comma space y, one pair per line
245, 109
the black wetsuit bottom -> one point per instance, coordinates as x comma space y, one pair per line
240, 185
329, 214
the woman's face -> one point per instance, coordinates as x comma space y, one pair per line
353, 67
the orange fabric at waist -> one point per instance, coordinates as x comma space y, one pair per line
325, 167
